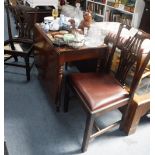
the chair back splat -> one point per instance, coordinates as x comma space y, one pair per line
115, 41
132, 55
25, 18
25, 21
9, 26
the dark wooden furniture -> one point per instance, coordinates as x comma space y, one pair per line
43, 11
50, 61
82, 3
103, 92
39, 11
21, 46
137, 109
51, 71
145, 20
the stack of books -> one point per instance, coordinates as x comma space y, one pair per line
96, 8
116, 16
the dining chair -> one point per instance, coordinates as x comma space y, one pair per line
102, 92
21, 46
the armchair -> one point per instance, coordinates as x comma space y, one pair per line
21, 46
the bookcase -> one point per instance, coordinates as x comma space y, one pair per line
124, 11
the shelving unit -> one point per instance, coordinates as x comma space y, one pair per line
98, 9
110, 10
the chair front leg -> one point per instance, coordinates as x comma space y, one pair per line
27, 68
88, 132
16, 59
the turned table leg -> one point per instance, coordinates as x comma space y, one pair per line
60, 85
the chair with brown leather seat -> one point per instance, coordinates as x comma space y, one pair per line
21, 46
102, 92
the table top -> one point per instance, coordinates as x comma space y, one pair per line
64, 48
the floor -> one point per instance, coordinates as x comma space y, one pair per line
33, 127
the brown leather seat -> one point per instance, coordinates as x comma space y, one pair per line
107, 89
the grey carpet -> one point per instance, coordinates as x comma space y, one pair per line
33, 127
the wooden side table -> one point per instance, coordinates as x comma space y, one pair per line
137, 109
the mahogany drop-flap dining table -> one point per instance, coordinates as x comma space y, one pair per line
50, 61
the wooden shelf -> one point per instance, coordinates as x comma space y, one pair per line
96, 2
123, 11
99, 15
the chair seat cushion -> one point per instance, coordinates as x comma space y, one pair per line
98, 90
19, 47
